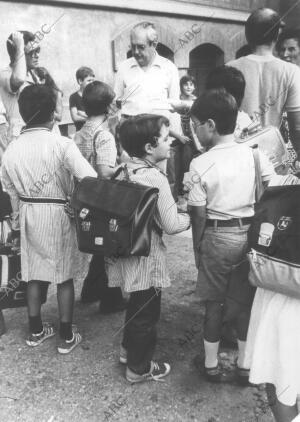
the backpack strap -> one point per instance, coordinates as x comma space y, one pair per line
259, 189
96, 133
119, 171
124, 168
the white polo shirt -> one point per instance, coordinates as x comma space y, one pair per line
148, 91
223, 180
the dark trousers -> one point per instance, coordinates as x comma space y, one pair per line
139, 339
95, 285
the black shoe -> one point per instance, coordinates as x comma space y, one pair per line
158, 370
242, 377
213, 374
216, 374
105, 308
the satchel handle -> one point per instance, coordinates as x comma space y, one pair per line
119, 171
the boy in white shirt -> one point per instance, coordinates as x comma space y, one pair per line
221, 202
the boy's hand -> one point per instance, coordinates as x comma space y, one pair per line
68, 209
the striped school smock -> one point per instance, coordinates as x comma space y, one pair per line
41, 164
140, 273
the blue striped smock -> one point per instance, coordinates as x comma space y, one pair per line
140, 273
42, 164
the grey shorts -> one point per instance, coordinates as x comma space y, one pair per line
222, 251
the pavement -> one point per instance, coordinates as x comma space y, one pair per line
39, 385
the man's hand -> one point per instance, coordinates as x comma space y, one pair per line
183, 139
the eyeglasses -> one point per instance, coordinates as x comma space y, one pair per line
139, 47
195, 125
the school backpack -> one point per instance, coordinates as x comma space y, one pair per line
114, 217
274, 240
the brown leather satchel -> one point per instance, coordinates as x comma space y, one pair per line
114, 217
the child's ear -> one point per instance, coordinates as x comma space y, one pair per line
211, 124
148, 148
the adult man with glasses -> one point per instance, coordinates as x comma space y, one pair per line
24, 58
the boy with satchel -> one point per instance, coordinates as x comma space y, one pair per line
98, 146
221, 201
146, 139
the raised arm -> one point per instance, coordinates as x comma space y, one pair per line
19, 69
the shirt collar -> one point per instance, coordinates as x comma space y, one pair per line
34, 129
229, 144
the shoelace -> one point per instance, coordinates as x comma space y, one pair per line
76, 338
155, 377
47, 329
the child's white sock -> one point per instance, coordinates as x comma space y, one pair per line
211, 354
241, 357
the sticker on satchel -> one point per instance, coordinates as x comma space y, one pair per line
86, 226
99, 241
284, 223
266, 234
113, 225
83, 213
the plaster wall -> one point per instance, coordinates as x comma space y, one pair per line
99, 38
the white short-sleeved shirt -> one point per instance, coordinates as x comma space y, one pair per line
272, 86
148, 91
223, 180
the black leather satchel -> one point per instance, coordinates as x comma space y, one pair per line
114, 217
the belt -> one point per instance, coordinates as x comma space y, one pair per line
234, 222
43, 200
